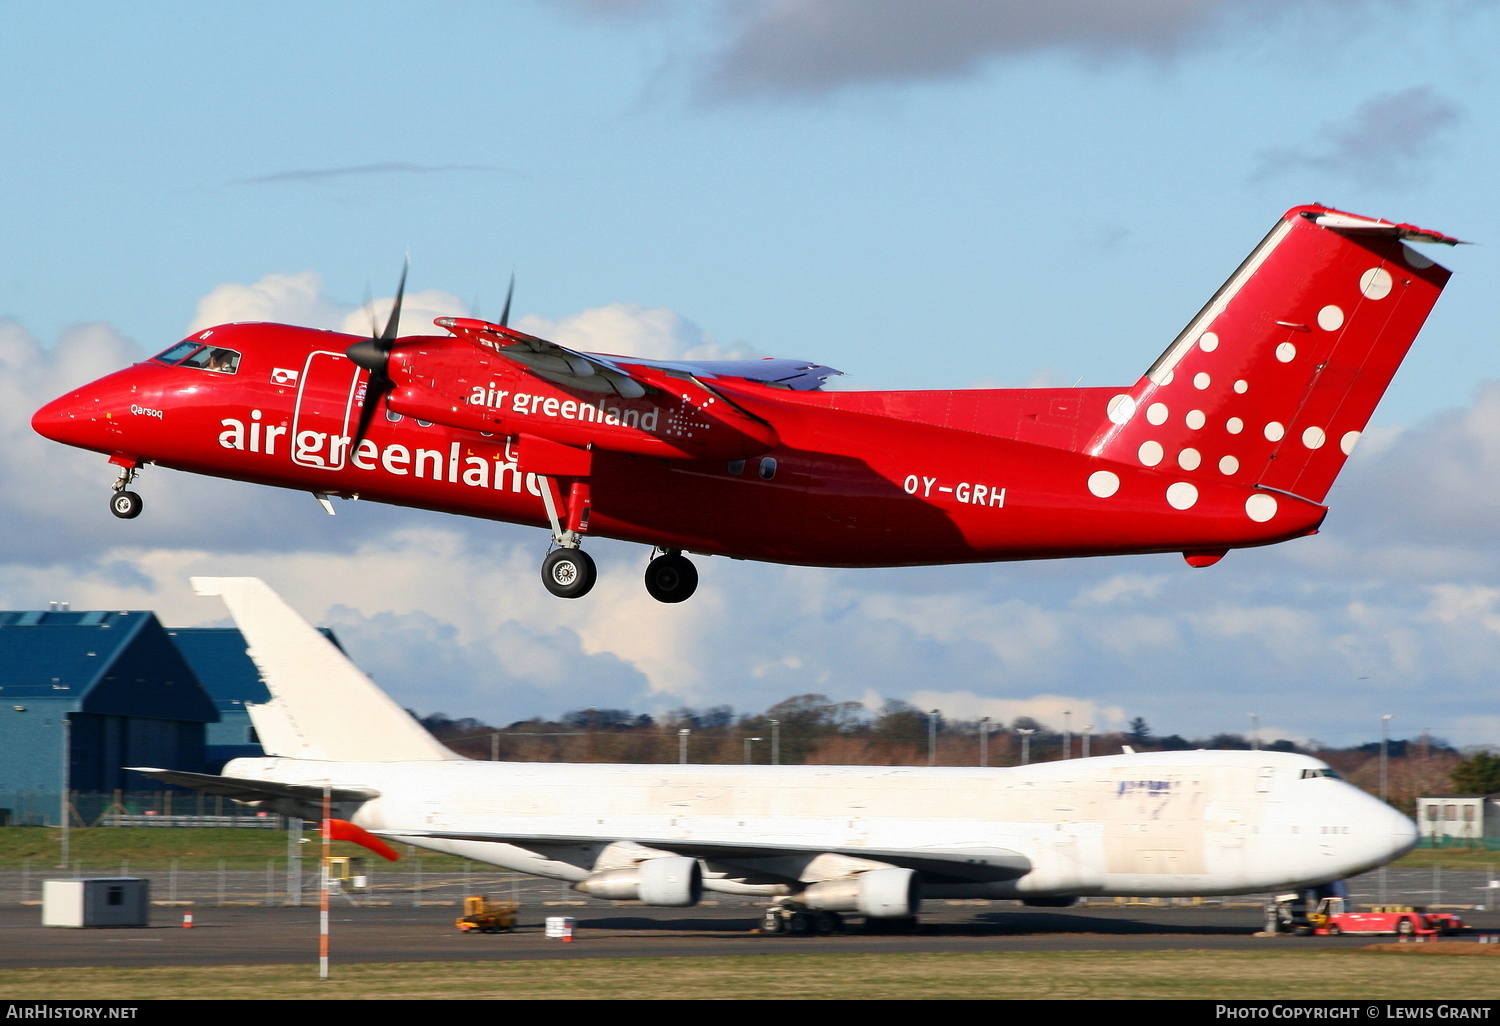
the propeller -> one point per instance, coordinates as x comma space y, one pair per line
505, 314
374, 355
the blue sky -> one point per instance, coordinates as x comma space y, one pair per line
922, 193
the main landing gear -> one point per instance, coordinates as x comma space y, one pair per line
123, 503
795, 921
569, 572
671, 577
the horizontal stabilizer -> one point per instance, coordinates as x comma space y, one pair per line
243, 789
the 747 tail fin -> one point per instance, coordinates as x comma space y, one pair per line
322, 706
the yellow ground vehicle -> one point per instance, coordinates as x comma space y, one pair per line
481, 916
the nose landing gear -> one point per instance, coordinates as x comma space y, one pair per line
123, 503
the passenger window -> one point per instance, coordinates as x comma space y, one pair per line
736, 467
767, 468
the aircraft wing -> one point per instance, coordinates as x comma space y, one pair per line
599, 372
977, 862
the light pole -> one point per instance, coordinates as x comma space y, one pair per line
1385, 747
1254, 732
682, 736
1087, 732
1025, 733
748, 742
932, 720
775, 742
984, 741
1067, 735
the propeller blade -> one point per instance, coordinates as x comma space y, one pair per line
367, 410
374, 355
394, 323
505, 314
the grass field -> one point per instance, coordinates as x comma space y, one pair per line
1359, 974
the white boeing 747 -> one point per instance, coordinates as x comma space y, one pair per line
813, 840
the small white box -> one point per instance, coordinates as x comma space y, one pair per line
102, 901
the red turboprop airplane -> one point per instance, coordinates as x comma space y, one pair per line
1231, 439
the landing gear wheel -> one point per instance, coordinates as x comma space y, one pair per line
125, 505
771, 922
827, 923
671, 578
799, 924
569, 573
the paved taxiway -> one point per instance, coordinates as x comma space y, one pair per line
262, 935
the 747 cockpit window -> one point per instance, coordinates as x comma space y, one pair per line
195, 354
1322, 771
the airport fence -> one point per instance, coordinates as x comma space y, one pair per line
131, 808
295, 881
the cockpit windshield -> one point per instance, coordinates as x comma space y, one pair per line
196, 354
1321, 771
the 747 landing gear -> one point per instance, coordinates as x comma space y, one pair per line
125, 504
671, 577
569, 572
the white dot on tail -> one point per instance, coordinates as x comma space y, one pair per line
1200, 380
1314, 438
1228, 465
1330, 318
1103, 483
1234, 425
1274, 432
1157, 413
1375, 283
1167, 378
1195, 419
1120, 409
1347, 442
1181, 495
1242, 386
1260, 507
1151, 453
1286, 352
1208, 342
1414, 259
1189, 459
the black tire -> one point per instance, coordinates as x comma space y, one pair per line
569, 573
671, 578
825, 923
772, 922
799, 924
1405, 928
125, 505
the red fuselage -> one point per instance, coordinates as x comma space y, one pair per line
1231, 439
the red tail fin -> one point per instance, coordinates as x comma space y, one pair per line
1273, 381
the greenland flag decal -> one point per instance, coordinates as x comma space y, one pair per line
282, 376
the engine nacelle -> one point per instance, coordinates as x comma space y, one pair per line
673, 882
880, 893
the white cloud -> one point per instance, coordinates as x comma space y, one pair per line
624, 329
299, 299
